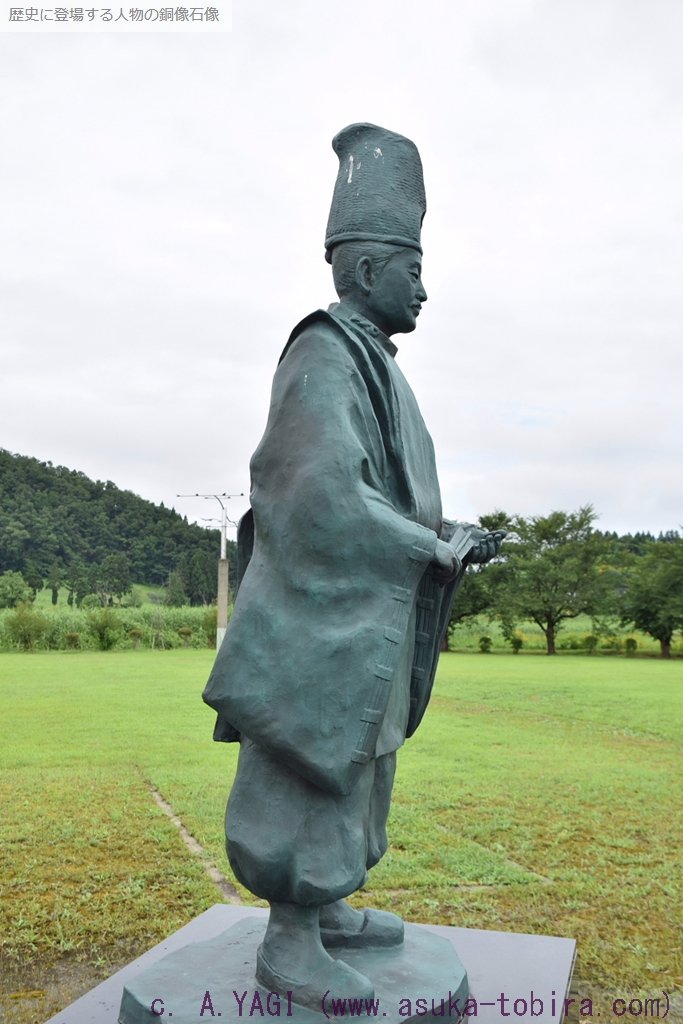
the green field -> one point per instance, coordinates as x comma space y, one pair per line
540, 794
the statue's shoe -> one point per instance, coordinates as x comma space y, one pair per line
379, 928
334, 980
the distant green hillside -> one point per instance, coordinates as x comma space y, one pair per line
57, 526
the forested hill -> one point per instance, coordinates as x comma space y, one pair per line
56, 522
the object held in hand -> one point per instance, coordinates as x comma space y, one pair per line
471, 543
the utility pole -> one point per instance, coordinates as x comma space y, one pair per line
223, 570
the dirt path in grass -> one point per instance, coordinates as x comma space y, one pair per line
225, 887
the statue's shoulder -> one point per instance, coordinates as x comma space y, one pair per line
320, 324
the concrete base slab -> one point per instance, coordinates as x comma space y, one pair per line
511, 977
216, 978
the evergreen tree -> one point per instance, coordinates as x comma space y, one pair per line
175, 591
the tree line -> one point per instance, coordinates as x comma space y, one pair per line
59, 529
554, 568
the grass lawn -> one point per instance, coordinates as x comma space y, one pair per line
540, 794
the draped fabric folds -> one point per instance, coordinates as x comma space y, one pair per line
337, 614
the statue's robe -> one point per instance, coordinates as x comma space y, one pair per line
330, 654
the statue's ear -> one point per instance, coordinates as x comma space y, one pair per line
365, 276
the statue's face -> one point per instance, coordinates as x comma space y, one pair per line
397, 293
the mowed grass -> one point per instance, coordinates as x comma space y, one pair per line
539, 795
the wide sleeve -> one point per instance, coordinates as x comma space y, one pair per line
324, 607
323, 463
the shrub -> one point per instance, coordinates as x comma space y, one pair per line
185, 633
516, 642
26, 626
590, 642
630, 646
136, 635
14, 589
485, 644
104, 626
72, 641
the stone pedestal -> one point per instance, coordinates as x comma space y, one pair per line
215, 978
509, 976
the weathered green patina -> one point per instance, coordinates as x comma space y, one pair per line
346, 514
347, 575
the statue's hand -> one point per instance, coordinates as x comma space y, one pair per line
487, 545
446, 564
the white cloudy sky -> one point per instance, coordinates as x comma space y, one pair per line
163, 200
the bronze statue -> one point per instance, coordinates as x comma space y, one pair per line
347, 575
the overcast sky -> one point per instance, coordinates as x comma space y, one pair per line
163, 201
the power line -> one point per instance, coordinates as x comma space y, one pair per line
223, 571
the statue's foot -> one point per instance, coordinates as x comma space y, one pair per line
341, 925
332, 979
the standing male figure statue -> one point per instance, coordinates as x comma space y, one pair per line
347, 576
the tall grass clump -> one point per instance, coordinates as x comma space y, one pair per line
106, 629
